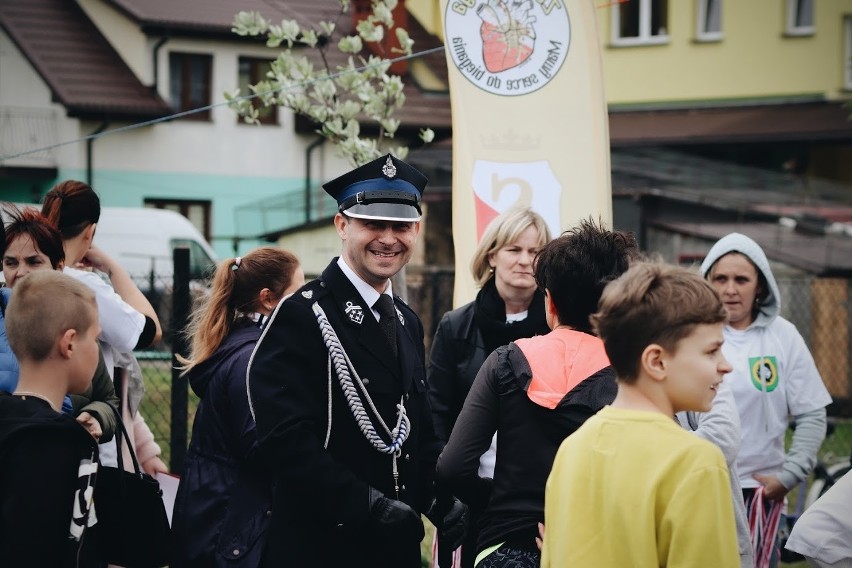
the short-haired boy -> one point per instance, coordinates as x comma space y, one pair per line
631, 487
47, 459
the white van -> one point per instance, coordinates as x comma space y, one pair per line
142, 240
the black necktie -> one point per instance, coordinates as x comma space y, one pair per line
387, 319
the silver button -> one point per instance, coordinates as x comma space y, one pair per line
403, 487
269, 513
366, 381
236, 552
407, 457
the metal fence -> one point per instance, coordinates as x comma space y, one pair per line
818, 307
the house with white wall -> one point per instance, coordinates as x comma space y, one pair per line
94, 86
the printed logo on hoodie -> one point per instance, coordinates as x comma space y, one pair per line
764, 372
84, 509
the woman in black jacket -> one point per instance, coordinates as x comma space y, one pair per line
507, 307
224, 501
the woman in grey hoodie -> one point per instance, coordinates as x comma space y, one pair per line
774, 377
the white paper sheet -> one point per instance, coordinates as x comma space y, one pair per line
169, 484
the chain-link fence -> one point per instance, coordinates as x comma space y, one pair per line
819, 307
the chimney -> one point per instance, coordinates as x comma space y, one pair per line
361, 9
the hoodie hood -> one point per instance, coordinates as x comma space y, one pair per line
243, 333
559, 361
770, 307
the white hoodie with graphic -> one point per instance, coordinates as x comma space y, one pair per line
774, 377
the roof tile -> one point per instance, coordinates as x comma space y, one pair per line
76, 61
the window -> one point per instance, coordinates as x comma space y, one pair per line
640, 22
709, 25
847, 53
800, 17
251, 72
197, 211
200, 264
189, 83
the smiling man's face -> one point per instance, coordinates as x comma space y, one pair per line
376, 249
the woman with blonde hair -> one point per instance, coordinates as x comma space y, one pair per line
507, 307
224, 500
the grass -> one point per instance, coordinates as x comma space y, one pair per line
426, 544
835, 448
156, 404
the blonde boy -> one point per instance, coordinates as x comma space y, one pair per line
631, 487
47, 459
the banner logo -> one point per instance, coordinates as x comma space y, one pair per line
507, 47
764, 371
498, 186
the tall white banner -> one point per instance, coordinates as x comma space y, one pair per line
530, 123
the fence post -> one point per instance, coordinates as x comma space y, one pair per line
180, 314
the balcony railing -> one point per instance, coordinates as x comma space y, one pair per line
23, 129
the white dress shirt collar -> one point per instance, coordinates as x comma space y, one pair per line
365, 290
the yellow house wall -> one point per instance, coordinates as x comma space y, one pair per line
753, 60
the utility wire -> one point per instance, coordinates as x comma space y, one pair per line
216, 105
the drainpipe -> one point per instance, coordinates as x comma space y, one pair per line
156, 63
308, 152
90, 142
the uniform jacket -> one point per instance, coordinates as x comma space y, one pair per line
224, 501
45, 458
534, 393
321, 510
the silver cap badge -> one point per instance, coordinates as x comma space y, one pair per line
389, 169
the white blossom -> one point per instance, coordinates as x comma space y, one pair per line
362, 91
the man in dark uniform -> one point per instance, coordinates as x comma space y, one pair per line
337, 388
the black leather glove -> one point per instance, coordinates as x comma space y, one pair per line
450, 516
395, 519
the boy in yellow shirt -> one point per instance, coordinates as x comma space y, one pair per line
631, 487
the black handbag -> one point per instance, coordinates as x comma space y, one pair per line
133, 528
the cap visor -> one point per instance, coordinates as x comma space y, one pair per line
384, 212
